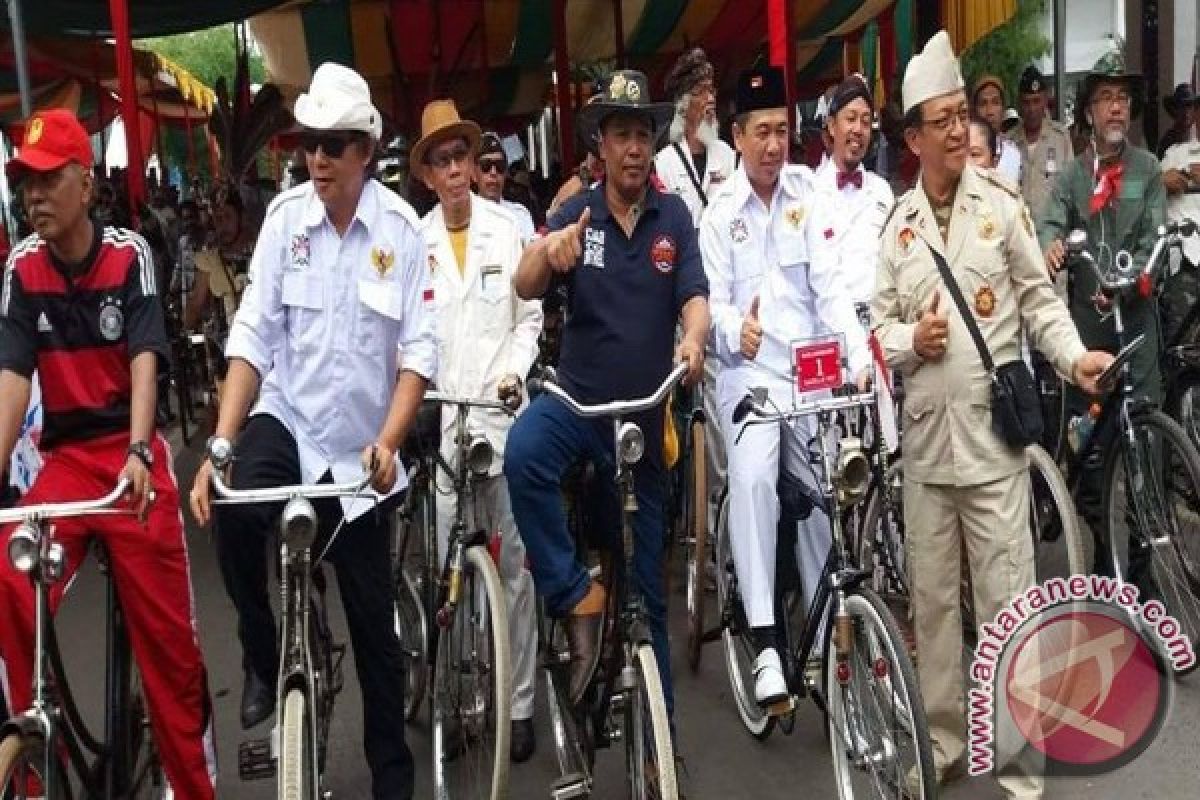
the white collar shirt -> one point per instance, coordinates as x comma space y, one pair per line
329, 321
850, 220
524, 219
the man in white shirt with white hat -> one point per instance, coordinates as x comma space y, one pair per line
332, 346
965, 487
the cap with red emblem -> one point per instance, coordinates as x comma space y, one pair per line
53, 138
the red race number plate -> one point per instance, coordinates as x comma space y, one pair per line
818, 366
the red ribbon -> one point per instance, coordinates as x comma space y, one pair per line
1108, 184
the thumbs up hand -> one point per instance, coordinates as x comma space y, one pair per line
751, 331
929, 339
564, 247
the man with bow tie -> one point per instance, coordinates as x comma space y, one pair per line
854, 203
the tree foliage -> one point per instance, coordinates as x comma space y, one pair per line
208, 54
1007, 50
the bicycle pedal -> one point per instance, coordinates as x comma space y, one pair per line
781, 707
255, 760
572, 786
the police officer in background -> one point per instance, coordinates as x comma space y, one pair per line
853, 202
767, 277
695, 162
964, 487
1044, 142
491, 173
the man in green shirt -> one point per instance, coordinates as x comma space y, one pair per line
1114, 191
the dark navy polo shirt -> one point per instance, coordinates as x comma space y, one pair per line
624, 296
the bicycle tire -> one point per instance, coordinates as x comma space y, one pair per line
651, 774
1185, 404
295, 749
1174, 556
492, 715
697, 533
890, 578
148, 780
412, 629
736, 644
20, 758
1058, 546
888, 659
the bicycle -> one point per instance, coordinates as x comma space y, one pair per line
1151, 479
310, 665
47, 751
466, 647
867, 688
624, 701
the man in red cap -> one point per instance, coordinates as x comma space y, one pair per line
79, 307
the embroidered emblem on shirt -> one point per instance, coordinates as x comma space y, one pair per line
828, 233
593, 248
112, 321
738, 230
905, 238
987, 227
794, 217
300, 250
382, 259
985, 301
715, 177
43, 324
433, 265
662, 253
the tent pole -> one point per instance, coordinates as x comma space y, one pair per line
127, 82
1060, 58
782, 50
619, 37
562, 70
20, 57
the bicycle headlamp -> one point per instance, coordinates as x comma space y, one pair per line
1076, 240
299, 524
631, 443
23, 548
479, 454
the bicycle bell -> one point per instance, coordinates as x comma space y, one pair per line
852, 473
298, 524
23, 548
1076, 240
631, 443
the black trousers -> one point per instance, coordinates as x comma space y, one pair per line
266, 456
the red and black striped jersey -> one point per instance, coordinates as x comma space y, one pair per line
80, 327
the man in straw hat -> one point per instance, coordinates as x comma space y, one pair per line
80, 306
964, 486
628, 256
695, 162
487, 340
338, 291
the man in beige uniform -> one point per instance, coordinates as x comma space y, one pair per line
1045, 143
963, 486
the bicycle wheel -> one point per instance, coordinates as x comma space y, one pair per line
878, 733
22, 759
148, 781
881, 539
295, 749
413, 633
697, 537
1059, 550
1152, 490
740, 651
1186, 406
649, 756
472, 689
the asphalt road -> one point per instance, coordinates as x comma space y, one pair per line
722, 760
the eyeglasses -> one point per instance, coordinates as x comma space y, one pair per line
496, 165
944, 124
333, 143
444, 158
1120, 97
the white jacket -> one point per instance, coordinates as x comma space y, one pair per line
674, 173
484, 331
851, 222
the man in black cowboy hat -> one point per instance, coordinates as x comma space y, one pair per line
1181, 105
1113, 191
627, 254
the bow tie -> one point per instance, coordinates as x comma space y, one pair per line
849, 179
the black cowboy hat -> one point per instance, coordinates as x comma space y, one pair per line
626, 91
1180, 98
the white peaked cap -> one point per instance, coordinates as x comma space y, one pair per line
932, 72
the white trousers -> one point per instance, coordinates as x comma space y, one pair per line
754, 505
494, 512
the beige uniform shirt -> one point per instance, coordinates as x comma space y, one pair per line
994, 256
1043, 158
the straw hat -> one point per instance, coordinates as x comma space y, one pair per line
440, 121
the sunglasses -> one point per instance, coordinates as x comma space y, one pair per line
444, 158
496, 165
334, 144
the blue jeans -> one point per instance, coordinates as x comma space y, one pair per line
543, 443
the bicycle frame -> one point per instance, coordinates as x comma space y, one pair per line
53, 714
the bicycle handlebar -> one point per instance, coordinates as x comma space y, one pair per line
82, 508
1124, 276
469, 402
619, 407
220, 452
751, 405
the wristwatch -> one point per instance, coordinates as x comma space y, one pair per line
142, 451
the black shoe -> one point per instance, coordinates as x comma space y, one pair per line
523, 741
258, 700
584, 634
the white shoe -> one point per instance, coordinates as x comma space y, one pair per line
769, 685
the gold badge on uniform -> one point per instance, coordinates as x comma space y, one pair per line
794, 217
985, 301
987, 227
382, 259
905, 238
